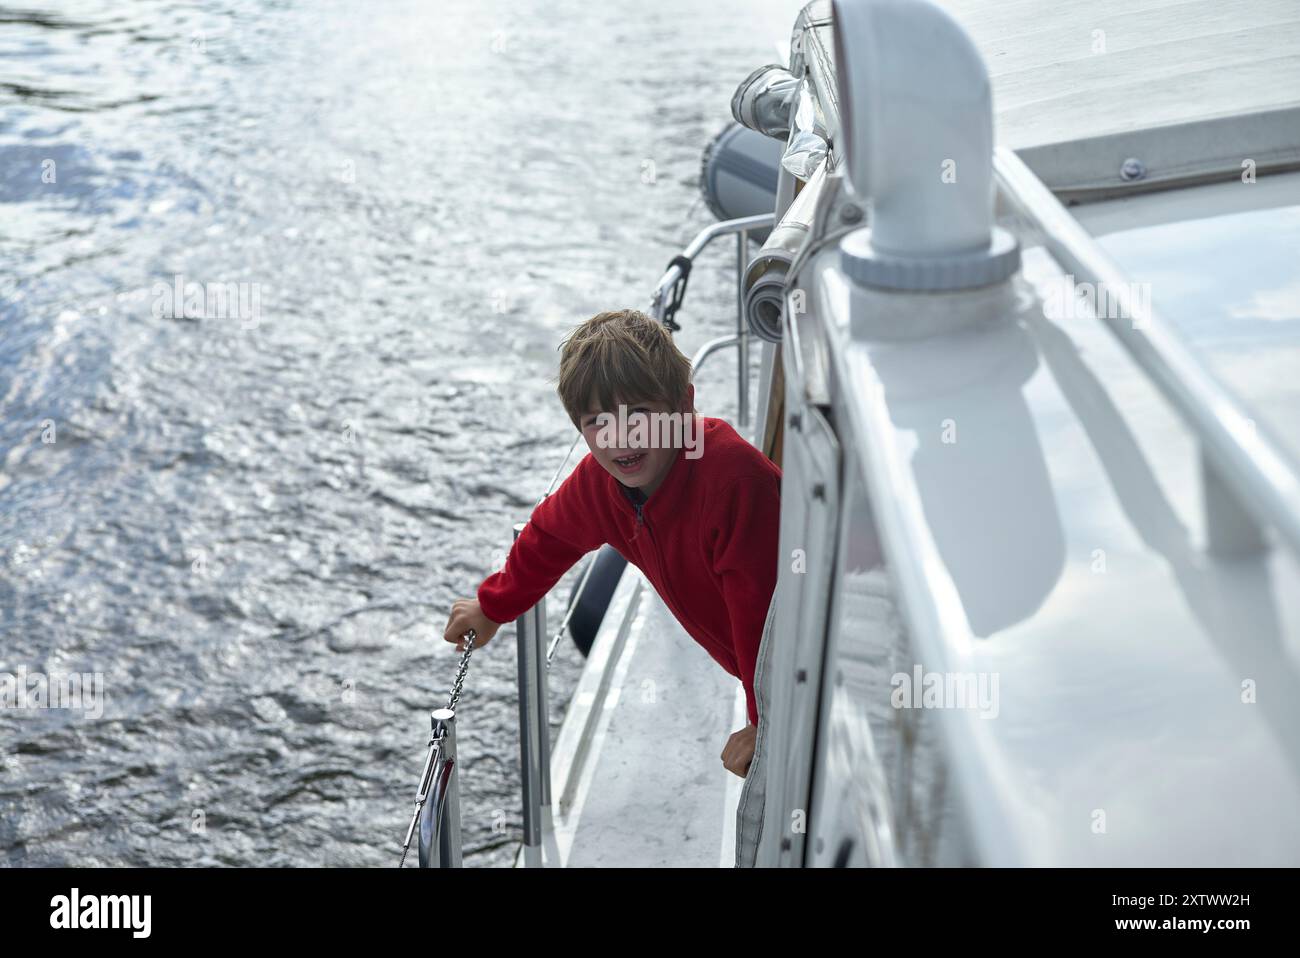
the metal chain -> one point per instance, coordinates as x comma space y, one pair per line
470, 636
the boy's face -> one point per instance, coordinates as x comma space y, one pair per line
641, 455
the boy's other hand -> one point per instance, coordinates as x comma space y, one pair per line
739, 750
466, 615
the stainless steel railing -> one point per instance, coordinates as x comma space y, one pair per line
741, 228
440, 818
534, 652
534, 725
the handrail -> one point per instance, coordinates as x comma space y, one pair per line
741, 227
702, 239
1250, 482
711, 347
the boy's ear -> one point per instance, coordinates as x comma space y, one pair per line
690, 398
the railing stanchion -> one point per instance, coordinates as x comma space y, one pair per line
531, 731
742, 333
449, 853
542, 701
437, 801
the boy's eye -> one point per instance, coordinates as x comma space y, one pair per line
589, 421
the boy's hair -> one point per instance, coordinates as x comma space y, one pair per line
621, 355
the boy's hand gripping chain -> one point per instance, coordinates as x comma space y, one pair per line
435, 744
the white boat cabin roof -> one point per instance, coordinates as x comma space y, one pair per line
1080, 86
1181, 85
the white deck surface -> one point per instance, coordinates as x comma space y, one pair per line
637, 775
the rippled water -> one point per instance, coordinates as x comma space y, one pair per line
252, 519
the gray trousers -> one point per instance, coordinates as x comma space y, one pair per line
749, 811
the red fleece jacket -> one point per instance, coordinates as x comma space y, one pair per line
706, 539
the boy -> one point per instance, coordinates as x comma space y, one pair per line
701, 521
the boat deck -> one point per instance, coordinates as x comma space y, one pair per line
637, 779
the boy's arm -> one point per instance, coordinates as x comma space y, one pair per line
746, 539
562, 529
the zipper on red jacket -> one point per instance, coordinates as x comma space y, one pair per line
640, 521
653, 551
669, 598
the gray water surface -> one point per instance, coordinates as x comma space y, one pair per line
252, 519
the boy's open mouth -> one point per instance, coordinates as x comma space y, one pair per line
630, 464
